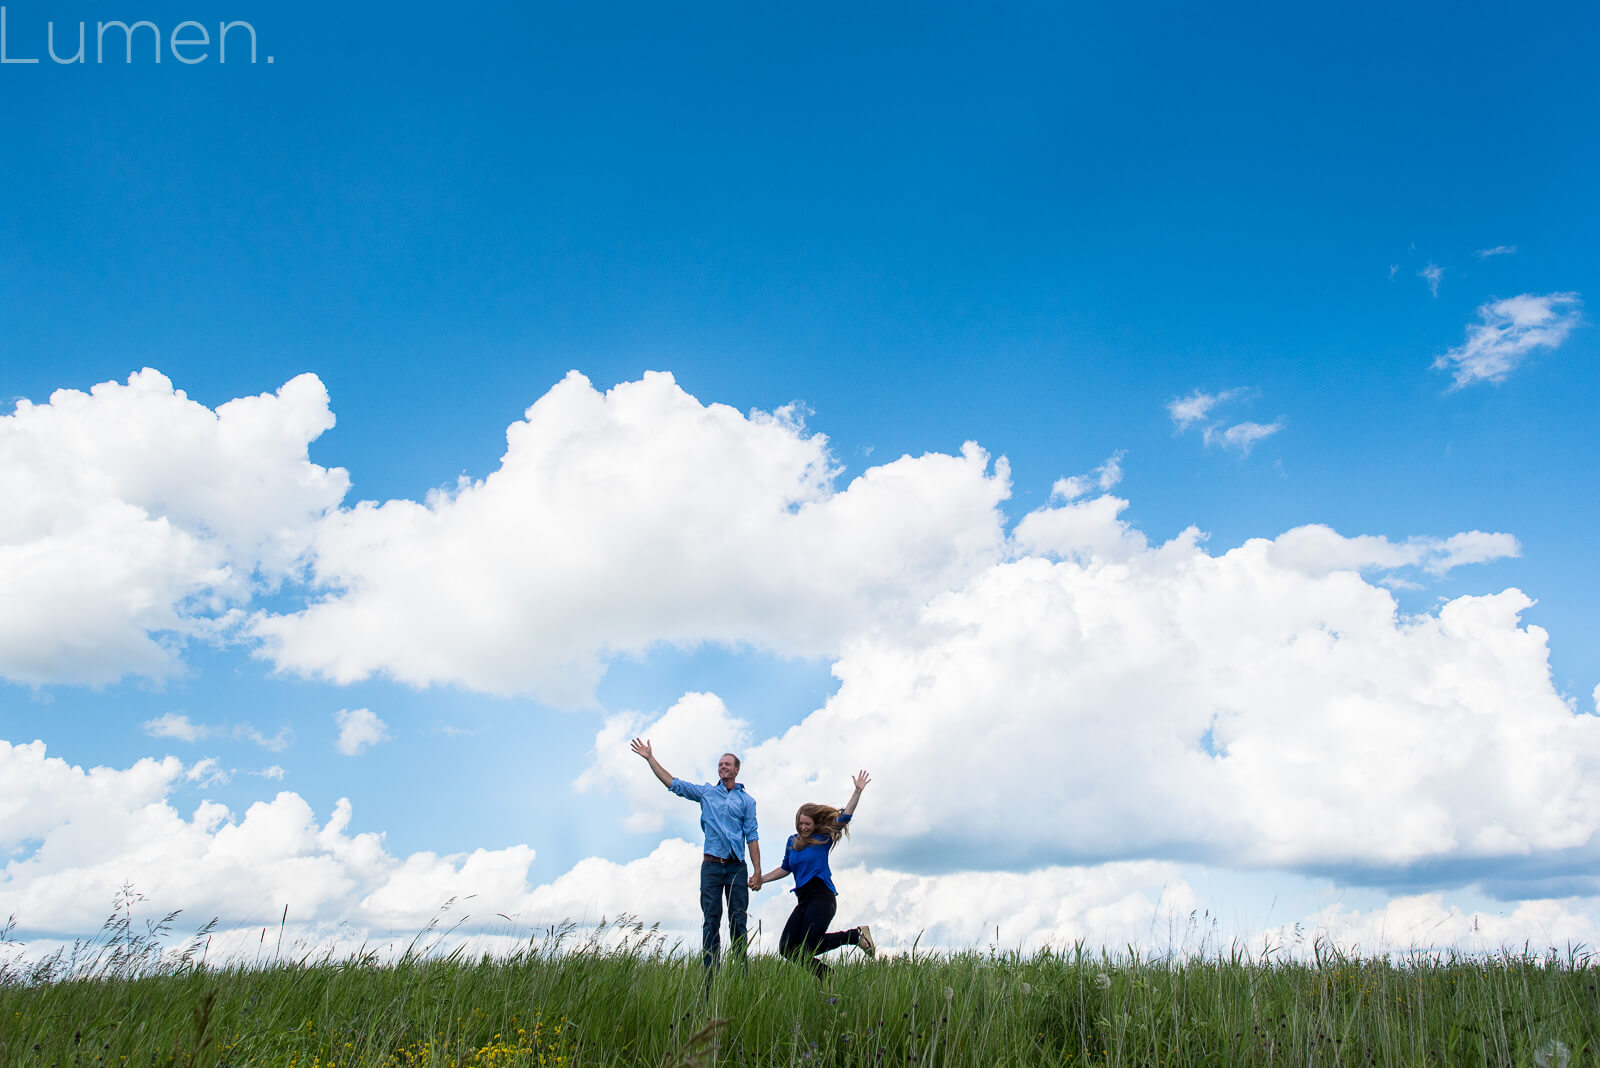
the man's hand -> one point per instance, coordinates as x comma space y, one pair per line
755, 882
641, 747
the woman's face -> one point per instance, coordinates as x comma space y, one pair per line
805, 825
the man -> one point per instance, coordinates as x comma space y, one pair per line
728, 817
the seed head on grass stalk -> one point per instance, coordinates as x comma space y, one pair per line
700, 1046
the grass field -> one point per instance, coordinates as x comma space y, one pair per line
618, 996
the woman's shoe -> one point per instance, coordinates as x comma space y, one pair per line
865, 942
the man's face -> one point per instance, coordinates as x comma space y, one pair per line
727, 768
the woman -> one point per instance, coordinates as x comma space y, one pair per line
817, 830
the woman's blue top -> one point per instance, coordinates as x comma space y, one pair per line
812, 861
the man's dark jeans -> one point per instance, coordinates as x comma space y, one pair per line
719, 881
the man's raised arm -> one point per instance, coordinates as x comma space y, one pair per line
642, 748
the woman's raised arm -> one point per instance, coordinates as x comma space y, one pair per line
861, 778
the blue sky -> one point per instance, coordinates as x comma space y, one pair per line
1033, 228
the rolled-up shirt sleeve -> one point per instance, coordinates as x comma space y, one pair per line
749, 821
692, 791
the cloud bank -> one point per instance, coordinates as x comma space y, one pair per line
1105, 699
616, 520
1053, 704
74, 837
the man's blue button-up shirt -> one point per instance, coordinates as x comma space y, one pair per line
727, 816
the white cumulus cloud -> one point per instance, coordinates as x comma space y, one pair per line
135, 517
1509, 330
625, 518
1080, 529
688, 740
359, 730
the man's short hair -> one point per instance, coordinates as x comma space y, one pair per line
736, 764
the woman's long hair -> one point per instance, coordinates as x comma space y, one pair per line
825, 825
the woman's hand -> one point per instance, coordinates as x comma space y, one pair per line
861, 778
755, 881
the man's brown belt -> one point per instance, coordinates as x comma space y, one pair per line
722, 860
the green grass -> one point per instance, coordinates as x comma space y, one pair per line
619, 997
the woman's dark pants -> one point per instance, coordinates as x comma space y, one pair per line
806, 934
